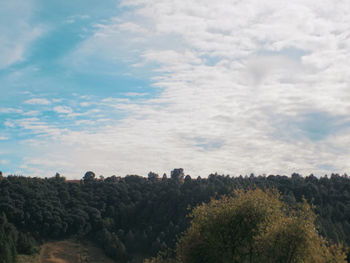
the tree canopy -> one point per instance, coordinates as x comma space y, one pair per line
251, 227
133, 217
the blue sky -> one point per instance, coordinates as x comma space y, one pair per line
131, 86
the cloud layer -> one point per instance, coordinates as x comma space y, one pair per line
245, 87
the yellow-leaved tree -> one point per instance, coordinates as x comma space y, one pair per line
254, 226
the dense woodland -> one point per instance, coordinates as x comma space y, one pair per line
134, 217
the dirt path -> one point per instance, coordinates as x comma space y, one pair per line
70, 251
60, 252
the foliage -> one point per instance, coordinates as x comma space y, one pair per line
8, 239
139, 216
254, 226
112, 245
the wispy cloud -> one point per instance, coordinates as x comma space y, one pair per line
16, 39
73, 19
38, 101
135, 94
85, 104
36, 127
63, 109
10, 110
31, 113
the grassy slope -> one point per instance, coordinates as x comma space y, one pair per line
67, 251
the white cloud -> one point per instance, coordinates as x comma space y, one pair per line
90, 113
63, 109
72, 19
85, 122
31, 113
247, 86
10, 110
135, 94
38, 101
15, 39
4, 162
114, 100
36, 127
57, 100
85, 104
9, 124
3, 138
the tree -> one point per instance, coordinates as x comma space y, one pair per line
111, 244
25, 244
153, 177
89, 177
253, 226
188, 179
177, 174
8, 240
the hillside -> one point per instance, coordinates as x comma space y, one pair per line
133, 217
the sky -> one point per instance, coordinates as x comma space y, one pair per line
127, 87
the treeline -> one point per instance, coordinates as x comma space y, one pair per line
134, 217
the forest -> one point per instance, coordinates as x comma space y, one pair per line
133, 218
